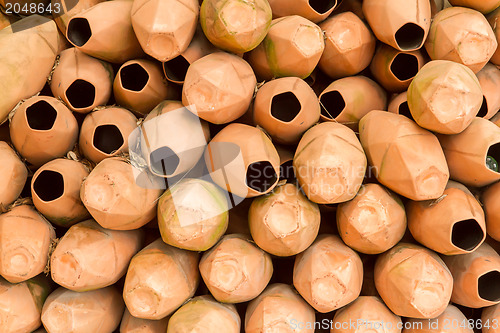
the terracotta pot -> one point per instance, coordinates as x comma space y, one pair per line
462, 35
273, 309
491, 316
451, 320
491, 202
96, 311
235, 26
489, 79
215, 98
492, 20
28, 49
204, 314
330, 170
284, 222
316, 11
484, 7
328, 274
406, 158
452, 224
348, 99
413, 281
475, 277
235, 270
372, 222
140, 86
286, 108
105, 31
64, 10
43, 129
105, 133
399, 105
242, 160
368, 312
292, 47
473, 154
25, 239
349, 45
130, 324
405, 31
193, 215
116, 199
148, 292
14, 174
55, 190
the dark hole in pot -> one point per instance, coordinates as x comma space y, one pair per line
81, 94
322, 6
79, 31
483, 111
332, 104
404, 110
285, 106
404, 66
108, 138
488, 286
287, 171
163, 161
134, 77
49, 185
176, 68
410, 36
494, 153
41, 116
261, 176
466, 234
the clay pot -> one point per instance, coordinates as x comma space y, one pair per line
492, 20
55, 190
204, 314
43, 129
286, 108
473, 154
462, 35
399, 105
328, 274
348, 99
116, 199
372, 222
406, 158
403, 25
413, 281
148, 292
284, 222
140, 86
193, 215
235, 26
14, 174
395, 69
218, 98
25, 239
292, 47
105, 31
489, 79
349, 45
105, 133
315, 11
482, 6
235, 270
66, 9
96, 311
130, 324
452, 224
242, 160
491, 316
80, 81
451, 320
28, 49
491, 202
475, 277
273, 309
329, 163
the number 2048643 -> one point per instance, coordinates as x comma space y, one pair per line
32, 8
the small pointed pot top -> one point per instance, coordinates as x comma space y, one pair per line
399, 105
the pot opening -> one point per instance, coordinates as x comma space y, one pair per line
493, 156
332, 104
467, 234
176, 68
404, 66
405, 110
287, 171
163, 161
134, 77
81, 94
41, 116
285, 106
79, 31
261, 176
49, 185
108, 138
483, 111
322, 6
410, 36
488, 286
